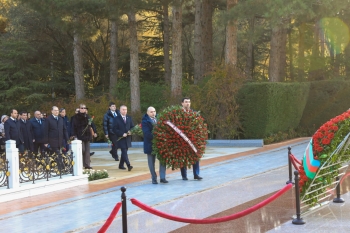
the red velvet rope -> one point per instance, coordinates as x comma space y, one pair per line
110, 218
295, 159
212, 220
293, 162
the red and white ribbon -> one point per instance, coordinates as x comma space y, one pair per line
177, 130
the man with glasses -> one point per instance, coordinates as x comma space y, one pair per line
55, 131
81, 129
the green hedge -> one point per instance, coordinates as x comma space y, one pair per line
326, 100
267, 108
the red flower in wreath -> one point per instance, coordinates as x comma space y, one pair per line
179, 137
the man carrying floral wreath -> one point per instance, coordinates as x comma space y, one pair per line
81, 125
186, 105
148, 120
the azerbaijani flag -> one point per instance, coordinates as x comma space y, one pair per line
310, 164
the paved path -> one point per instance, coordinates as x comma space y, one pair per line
229, 180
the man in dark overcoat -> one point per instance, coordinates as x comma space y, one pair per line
81, 129
27, 131
38, 126
13, 130
148, 120
108, 128
55, 131
122, 125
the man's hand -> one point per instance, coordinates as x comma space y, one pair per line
125, 135
95, 135
106, 136
129, 133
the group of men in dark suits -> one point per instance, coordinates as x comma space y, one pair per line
36, 134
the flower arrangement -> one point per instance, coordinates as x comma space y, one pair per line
89, 124
137, 130
96, 174
324, 142
179, 137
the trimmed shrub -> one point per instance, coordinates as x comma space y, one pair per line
326, 100
267, 108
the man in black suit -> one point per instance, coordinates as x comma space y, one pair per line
108, 129
121, 127
38, 126
186, 106
55, 131
13, 130
27, 131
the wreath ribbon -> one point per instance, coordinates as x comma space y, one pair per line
177, 130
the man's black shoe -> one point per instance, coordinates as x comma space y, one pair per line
184, 178
164, 181
154, 182
92, 153
130, 167
88, 167
110, 151
116, 159
198, 178
123, 168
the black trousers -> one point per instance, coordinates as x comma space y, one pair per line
124, 158
114, 139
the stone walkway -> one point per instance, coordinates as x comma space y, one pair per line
233, 177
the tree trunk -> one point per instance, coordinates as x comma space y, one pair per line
207, 36
231, 38
301, 50
176, 73
277, 62
347, 61
290, 50
114, 57
134, 65
198, 61
314, 73
250, 51
78, 65
166, 40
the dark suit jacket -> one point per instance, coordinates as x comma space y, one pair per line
13, 131
27, 132
147, 127
119, 128
38, 130
55, 131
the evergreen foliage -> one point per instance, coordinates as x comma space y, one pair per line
326, 100
267, 108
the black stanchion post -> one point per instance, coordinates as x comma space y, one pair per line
338, 199
124, 212
289, 166
297, 220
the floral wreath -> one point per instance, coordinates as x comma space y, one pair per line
179, 137
324, 142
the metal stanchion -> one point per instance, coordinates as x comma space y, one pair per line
297, 220
124, 212
338, 199
289, 167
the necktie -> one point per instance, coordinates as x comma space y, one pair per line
114, 114
39, 122
124, 119
154, 120
56, 118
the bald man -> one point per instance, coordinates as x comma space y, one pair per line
148, 120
